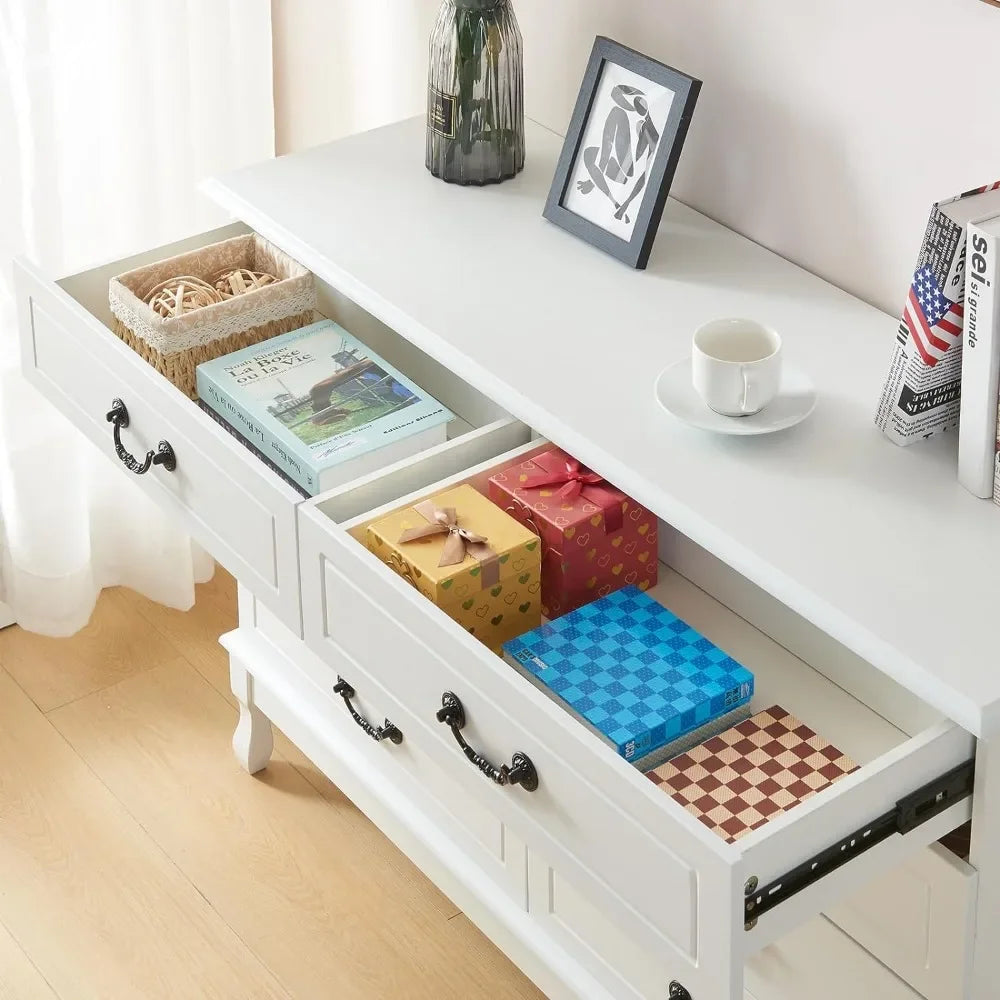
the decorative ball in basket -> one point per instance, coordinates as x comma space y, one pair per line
198, 306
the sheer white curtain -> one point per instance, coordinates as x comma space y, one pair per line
110, 113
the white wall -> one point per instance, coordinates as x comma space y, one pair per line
825, 129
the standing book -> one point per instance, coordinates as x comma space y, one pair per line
977, 432
322, 406
921, 393
633, 673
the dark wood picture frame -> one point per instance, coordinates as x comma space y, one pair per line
634, 252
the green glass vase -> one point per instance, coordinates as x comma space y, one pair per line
475, 101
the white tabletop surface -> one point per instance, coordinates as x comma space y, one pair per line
877, 545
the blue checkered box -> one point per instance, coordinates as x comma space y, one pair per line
633, 672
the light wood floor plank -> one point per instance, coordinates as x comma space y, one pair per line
195, 634
93, 902
19, 979
301, 879
116, 644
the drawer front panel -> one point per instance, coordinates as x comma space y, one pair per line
482, 832
229, 502
353, 609
287, 691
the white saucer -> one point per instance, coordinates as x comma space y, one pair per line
796, 399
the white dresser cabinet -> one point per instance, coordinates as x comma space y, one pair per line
802, 555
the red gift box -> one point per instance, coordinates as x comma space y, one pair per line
595, 539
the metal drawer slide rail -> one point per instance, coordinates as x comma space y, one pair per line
910, 812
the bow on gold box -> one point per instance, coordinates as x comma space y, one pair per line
476, 563
595, 539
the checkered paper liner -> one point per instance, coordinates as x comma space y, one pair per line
737, 781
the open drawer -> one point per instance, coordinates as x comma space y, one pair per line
666, 881
230, 502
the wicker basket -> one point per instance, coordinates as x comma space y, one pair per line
176, 345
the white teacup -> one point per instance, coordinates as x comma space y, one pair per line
736, 366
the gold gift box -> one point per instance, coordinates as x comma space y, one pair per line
496, 596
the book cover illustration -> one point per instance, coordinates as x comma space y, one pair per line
316, 397
633, 672
737, 781
921, 394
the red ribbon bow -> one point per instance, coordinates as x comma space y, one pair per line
554, 469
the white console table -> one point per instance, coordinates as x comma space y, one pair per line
852, 577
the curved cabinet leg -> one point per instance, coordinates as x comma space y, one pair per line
253, 741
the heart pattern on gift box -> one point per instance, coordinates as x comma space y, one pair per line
497, 590
561, 521
596, 520
531, 546
569, 533
617, 570
591, 554
643, 528
605, 590
591, 583
632, 577
651, 537
535, 587
525, 608
496, 621
604, 561
643, 556
510, 598
541, 507
467, 605
519, 564
504, 559
644, 584
482, 611
447, 585
630, 548
460, 591
617, 542
524, 578
635, 514
589, 508
545, 493
583, 540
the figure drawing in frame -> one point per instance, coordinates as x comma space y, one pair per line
619, 168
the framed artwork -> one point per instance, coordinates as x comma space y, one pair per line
621, 151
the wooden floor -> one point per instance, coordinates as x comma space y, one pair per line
138, 860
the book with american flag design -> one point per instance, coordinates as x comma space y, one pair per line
922, 393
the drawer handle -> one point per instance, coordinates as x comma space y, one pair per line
377, 733
521, 771
164, 454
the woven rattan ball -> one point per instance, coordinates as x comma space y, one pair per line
184, 294
240, 280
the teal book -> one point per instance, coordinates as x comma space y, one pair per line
321, 406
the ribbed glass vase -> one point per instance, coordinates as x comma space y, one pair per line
475, 110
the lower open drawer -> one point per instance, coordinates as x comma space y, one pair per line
667, 882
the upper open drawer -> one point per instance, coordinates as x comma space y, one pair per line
663, 878
230, 502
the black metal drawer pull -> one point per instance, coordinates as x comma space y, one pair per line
678, 992
377, 733
520, 772
164, 454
